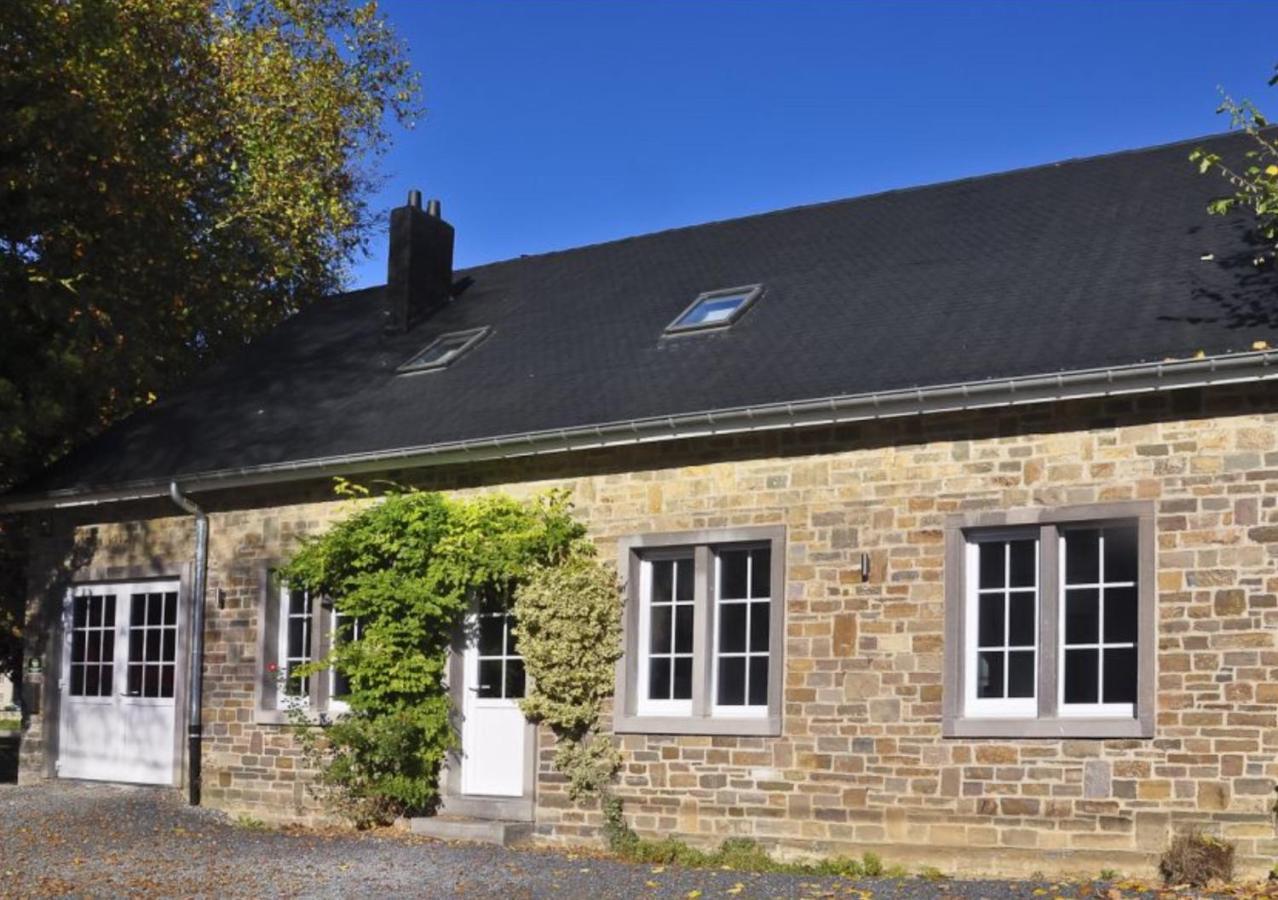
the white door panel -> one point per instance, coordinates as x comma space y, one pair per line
494, 732
119, 674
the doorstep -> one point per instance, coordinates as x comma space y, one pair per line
477, 831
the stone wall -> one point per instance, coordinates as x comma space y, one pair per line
861, 762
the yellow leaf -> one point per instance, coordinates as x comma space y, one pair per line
736, 888
652, 884
693, 895
1271, 171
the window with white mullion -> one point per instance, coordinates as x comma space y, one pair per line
344, 629
666, 635
1002, 626
742, 623
296, 642
1098, 621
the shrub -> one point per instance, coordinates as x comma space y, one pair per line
1196, 859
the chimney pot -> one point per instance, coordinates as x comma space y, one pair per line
419, 272
433, 209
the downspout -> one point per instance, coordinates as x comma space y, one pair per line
196, 672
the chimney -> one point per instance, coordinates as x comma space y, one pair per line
419, 272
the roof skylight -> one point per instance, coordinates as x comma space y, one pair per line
443, 350
715, 309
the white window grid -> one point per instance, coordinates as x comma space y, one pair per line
152, 644
505, 659
295, 689
646, 705
336, 689
88, 634
746, 708
1000, 707
1100, 645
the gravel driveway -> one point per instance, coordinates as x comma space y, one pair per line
80, 839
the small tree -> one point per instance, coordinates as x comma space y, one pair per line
1255, 185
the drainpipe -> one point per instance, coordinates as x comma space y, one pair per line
196, 683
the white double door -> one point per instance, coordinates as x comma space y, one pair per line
494, 731
118, 682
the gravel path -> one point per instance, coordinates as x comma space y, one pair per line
80, 839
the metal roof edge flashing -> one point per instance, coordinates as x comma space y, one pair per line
1167, 375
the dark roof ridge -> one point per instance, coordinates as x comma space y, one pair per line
984, 176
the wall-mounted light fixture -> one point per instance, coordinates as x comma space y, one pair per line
865, 567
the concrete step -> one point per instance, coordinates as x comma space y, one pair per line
477, 831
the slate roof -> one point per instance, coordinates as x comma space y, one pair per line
1081, 264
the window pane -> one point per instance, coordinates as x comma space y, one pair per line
758, 681
92, 681
490, 635
80, 612
77, 646
1024, 563
77, 680
108, 647
137, 610
1082, 616
1020, 626
683, 678
684, 577
152, 644
989, 622
662, 580
732, 681
512, 648
151, 681
170, 609
135, 646
169, 650
341, 683
659, 678
992, 564
135, 680
732, 627
989, 676
93, 647
95, 612
1021, 674
683, 628
659, 642
761, 573
1080, 676
490, 678
155, 609
1121, 557
732, 574
297, 643
760, 613
107, 685
1120, 615
1120, 675
1082, 556
514, 679
166, 681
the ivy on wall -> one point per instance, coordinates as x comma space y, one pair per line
407, 566
569, 633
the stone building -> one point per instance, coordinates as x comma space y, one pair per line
946, 516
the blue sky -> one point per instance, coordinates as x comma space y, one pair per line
557, 124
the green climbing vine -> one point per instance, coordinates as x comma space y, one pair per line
407, 566
569, 633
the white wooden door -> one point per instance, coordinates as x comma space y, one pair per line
118, 681
494, 732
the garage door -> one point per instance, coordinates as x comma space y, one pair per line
118, 683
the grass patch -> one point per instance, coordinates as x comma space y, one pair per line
10, 721
740, 854
249, 823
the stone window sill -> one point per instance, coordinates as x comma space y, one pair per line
769, 726
1050, 728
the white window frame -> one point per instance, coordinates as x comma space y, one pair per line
1051, 719
469, 338
645, 706
1003, 707
747, 710
632, 712
285, 700
1099, 709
